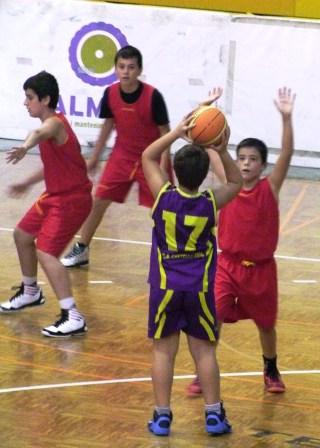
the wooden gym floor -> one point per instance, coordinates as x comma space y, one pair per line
95, 391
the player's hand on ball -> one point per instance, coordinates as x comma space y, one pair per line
222, 144
184, 126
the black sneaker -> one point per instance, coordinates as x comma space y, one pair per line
71, 323
22, 300
78, 256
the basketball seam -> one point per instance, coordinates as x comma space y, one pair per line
208, 124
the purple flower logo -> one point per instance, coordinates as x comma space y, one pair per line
92, 51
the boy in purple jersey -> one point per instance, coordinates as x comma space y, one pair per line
182, 269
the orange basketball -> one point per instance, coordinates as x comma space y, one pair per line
209, 124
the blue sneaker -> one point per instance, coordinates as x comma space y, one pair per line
217, 424
160, 424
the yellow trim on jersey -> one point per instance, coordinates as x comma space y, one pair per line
205, 308
188, 195
165, 186
209, 253
213, 199
207, 328
163, 275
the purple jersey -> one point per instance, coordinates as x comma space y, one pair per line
183, 252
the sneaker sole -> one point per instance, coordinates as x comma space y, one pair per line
164, 433
61, 336
217, 434
275, 390
77, 265
31, 305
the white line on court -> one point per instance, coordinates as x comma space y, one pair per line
143, 379
145, 243
305, 281
98, 282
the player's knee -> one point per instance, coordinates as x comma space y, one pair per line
100, 205
22, 238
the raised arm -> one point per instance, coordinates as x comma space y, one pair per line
217, 166
233, 179
153, 172
165, 162
284, 104
215, 162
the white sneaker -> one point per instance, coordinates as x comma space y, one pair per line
22, 300
71, 323
78, 256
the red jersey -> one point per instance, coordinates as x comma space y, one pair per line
64, 166
134, 124
249, 225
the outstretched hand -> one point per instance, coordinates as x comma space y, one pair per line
16, 154
285, 101
214, 94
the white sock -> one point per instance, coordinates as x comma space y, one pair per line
215, 407
30, 286
162, 410
67, 303
28, 281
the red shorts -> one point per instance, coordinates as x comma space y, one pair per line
54, 219
118, 177
246, 291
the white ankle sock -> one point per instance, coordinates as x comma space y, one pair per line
215, 407
28, 281
162, 410
67, 303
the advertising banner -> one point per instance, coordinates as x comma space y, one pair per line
185, 54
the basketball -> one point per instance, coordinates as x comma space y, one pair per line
209, 124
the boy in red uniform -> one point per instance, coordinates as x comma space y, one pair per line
246, 281
138, 114
45, 230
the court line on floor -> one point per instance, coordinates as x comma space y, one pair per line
146, 243
143, 379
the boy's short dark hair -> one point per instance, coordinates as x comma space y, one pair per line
259, 145
191, 165
44, 84
129, 52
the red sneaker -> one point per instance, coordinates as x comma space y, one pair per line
194, 388
274, 384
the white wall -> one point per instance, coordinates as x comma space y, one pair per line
186, 52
